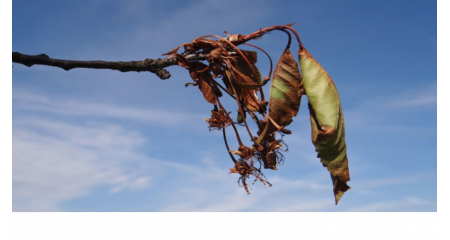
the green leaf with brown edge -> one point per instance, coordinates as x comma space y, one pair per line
285, 94
286, 90
327, 121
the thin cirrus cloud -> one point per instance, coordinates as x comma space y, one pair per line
377, 183
405, 205
56, 161
24, 101
392, 112
424, 96
419, 97
143, 39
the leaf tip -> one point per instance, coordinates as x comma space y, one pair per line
339, 194
340, 185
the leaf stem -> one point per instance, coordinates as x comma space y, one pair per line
296, 35
290, 38
226, 144
232, 123
270, 59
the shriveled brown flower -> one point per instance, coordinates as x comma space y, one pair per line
219, 120
271, 155
245, 169
244, 152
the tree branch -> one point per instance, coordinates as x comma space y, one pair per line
148, 65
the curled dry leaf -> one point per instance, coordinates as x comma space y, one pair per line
327, 121
238, 85
182, 61
249, 70
204, 81
207, 91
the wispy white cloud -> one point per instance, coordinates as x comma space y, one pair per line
400, 205
158, 27
310, 184
413, 96
306, 205
24, 101
377, 187
383, 182
416, 101
216, 191
425, 96
190, 19
60, 161
234, 200
377, 113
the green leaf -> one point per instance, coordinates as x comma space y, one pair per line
327, 121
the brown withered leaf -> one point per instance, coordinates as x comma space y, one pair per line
246, 96
227, 82
242, 80
174, 51
250, 100
204, 81
206, 89
182, 61
249, 70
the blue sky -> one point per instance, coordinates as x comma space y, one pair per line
102, 140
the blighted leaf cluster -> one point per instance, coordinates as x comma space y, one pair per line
231, 71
